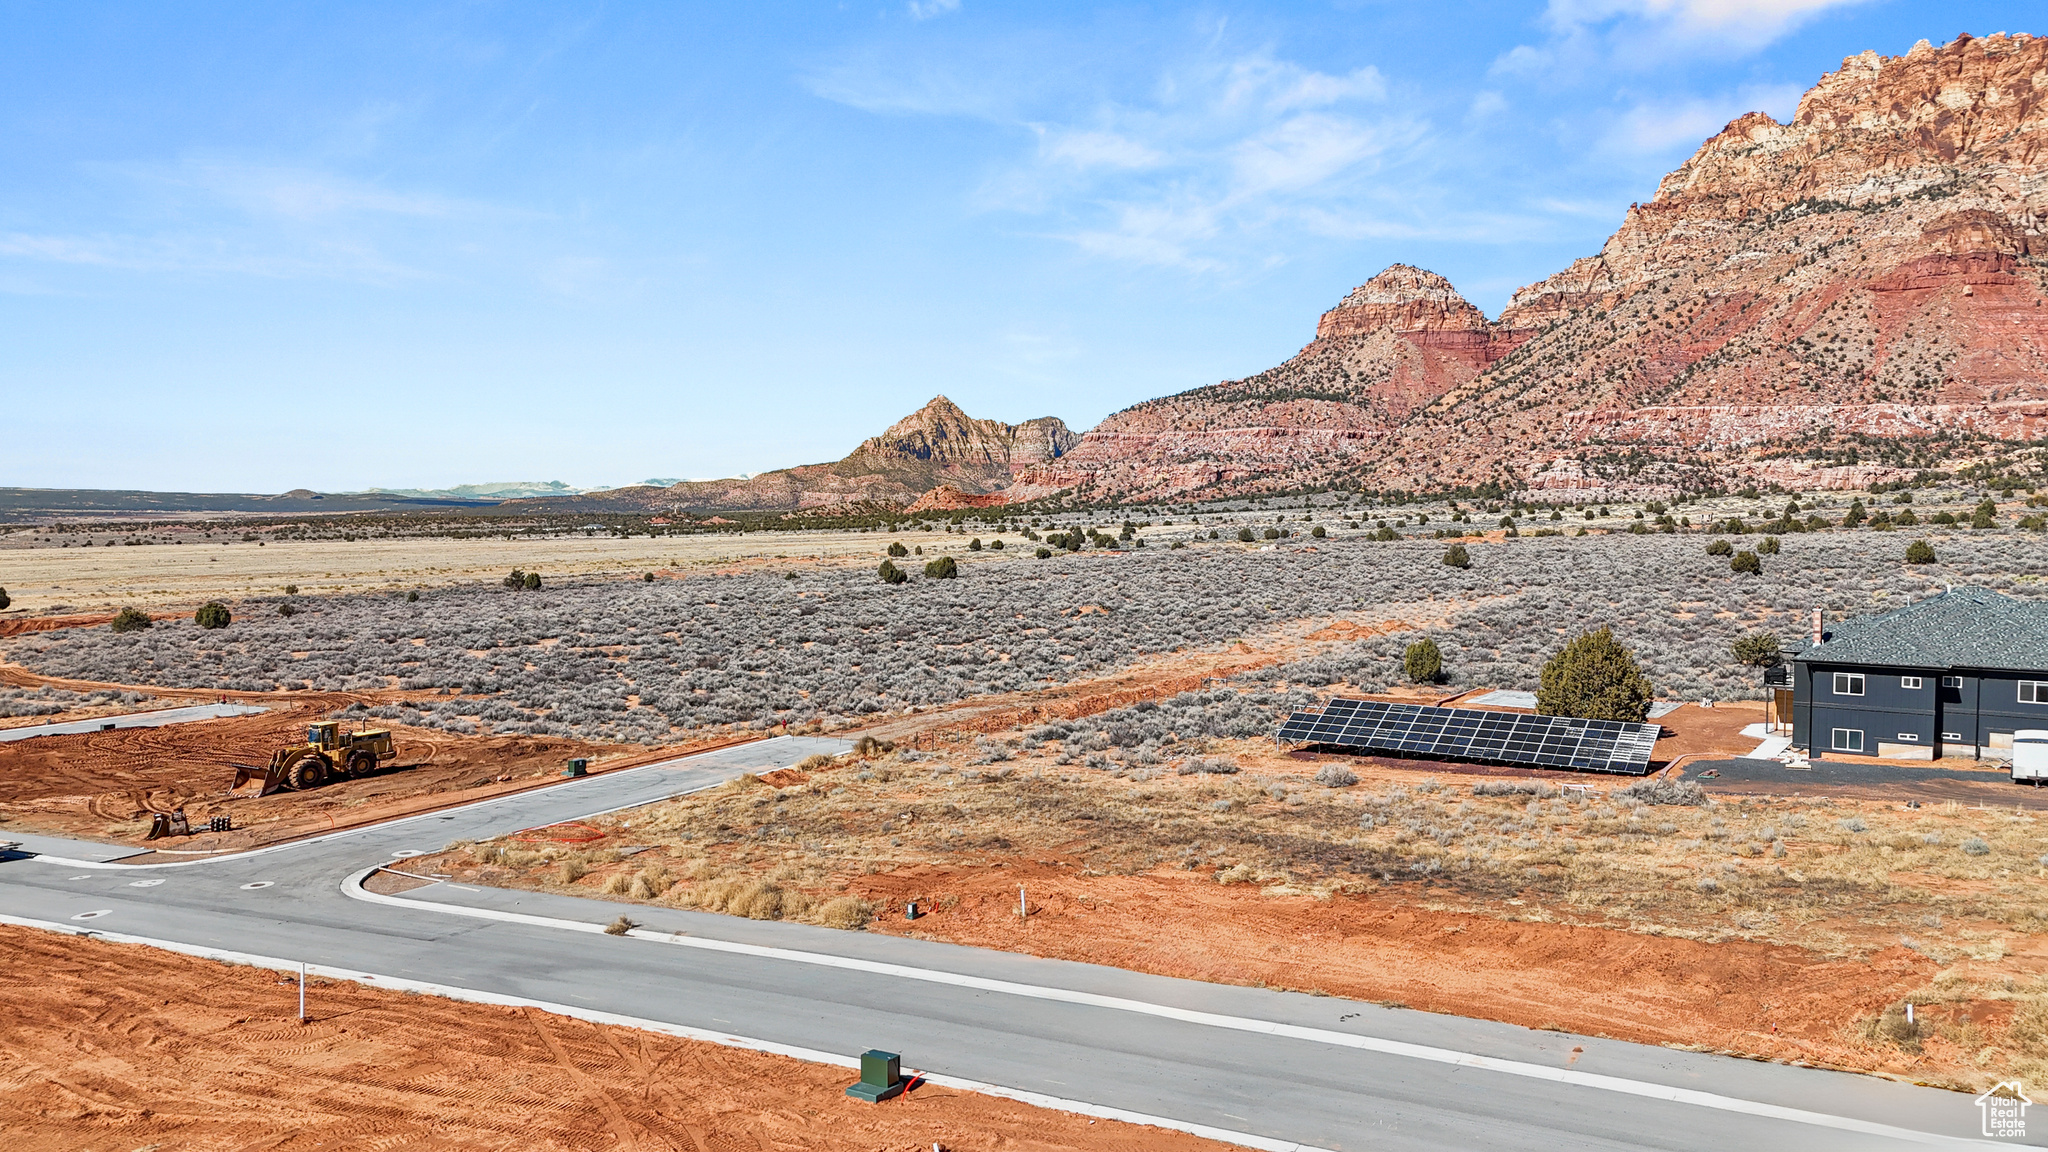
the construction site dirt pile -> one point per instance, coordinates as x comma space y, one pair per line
121, 1046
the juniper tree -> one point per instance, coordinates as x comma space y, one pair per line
1423, 662
1758, 649
1595, 677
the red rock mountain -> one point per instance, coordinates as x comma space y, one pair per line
1876, 267
1834, 300
938, 445
1385, 352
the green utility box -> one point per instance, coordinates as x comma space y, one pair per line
577, 767
881, 1076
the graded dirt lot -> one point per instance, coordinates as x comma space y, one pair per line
100, 580
111, 1047
106, 785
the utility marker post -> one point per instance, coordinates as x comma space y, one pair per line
1023, 910
302, 991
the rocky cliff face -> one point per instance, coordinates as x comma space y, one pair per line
944, 437
1865, 275
1869, 271
1387, 350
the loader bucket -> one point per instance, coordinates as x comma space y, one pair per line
168, 824
267, 780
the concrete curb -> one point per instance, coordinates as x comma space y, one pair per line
682, 1032
352, 887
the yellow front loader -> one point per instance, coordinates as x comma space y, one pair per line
328, 754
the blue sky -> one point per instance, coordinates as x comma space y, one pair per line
257, 247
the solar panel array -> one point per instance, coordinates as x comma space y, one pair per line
1475, 735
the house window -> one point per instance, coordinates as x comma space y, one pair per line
2034, 691
1909, 737
1848, 740
1848, 683
1951, 735
1910, 682
1951, 681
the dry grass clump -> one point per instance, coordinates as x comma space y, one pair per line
673, 874
1967, 1019
1663, 858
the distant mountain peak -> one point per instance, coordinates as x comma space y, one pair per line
939, 444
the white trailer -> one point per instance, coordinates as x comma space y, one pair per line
2030, 755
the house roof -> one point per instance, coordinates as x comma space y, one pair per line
1960, 628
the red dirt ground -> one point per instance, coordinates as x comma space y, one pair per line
1781, 1002
104, 785
116, 1047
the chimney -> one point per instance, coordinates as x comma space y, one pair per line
1816, 626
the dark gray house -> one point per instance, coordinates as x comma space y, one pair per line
1952, 675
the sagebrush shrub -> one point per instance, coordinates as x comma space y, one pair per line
1336, 776
1664, 792
633, 662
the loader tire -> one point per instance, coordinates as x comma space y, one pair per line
309, 772
361, 764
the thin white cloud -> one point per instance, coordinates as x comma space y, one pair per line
189, 253
1218, 148
926, 9
1280, 85
1662, 126
1302, 152
1086, 149
1485, 104
299, 193
1651, 29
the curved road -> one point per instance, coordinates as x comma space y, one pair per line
1267, 1069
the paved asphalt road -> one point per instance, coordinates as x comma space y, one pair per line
156, 719
1280, 1067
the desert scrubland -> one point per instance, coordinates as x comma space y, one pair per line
1097, 727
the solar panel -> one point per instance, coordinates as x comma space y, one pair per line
1475, 735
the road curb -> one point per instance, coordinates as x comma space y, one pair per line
352, 887
680, 1031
